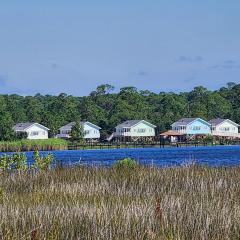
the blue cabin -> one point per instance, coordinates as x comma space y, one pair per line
192, 126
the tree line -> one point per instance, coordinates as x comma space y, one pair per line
107, 108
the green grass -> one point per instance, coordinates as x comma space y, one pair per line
121, 203
30, 145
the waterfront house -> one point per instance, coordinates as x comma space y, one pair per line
91, 131
224, 128
135, 130
192, 126
33, 130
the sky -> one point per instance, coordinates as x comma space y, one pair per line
72, 46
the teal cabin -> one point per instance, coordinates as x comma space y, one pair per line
192, 126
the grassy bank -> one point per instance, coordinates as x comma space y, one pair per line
139, 203
30, 145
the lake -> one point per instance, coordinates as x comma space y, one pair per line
162, 157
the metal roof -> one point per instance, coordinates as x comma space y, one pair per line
24, 126
186, 121
217, 121
71, 124
131, 123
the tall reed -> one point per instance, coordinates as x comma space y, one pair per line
136, 203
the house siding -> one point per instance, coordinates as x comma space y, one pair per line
139, 130
90, 132
225, 128
42, 133
196, 127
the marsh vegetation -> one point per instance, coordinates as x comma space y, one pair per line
31, 145
121, 203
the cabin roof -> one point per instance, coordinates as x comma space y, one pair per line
217, 121
131, 123
186, 121
71, 124
25, 126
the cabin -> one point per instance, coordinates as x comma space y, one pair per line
224, 128
192, 127
91, 131
33, 130
135, 130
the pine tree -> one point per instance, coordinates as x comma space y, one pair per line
77, 132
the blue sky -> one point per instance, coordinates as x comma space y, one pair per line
72, 46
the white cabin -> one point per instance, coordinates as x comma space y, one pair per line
33, 130
135, 129
224, 128
91, 131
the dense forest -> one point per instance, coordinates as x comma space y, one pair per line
107, 108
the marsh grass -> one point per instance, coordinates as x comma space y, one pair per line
103, 203
31, 145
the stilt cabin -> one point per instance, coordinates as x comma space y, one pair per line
224, 128
192, 127
135, 131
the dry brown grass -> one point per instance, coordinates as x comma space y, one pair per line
101, 203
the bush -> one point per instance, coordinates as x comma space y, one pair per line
19, 161
5, 162
126, 163
16, 161
208, 139
42, 162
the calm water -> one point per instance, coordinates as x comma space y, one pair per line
212, 156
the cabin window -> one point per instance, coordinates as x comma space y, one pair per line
142, 130
225, 129
87, 132
35, 133
196, 128
43, 133
65, 131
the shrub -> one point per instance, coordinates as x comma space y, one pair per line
126, 163
42, 162
16, 161
5, 162
208, 139
19, 161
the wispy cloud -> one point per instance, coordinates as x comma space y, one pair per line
188, 59
142, 73
55, 66
228, 64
